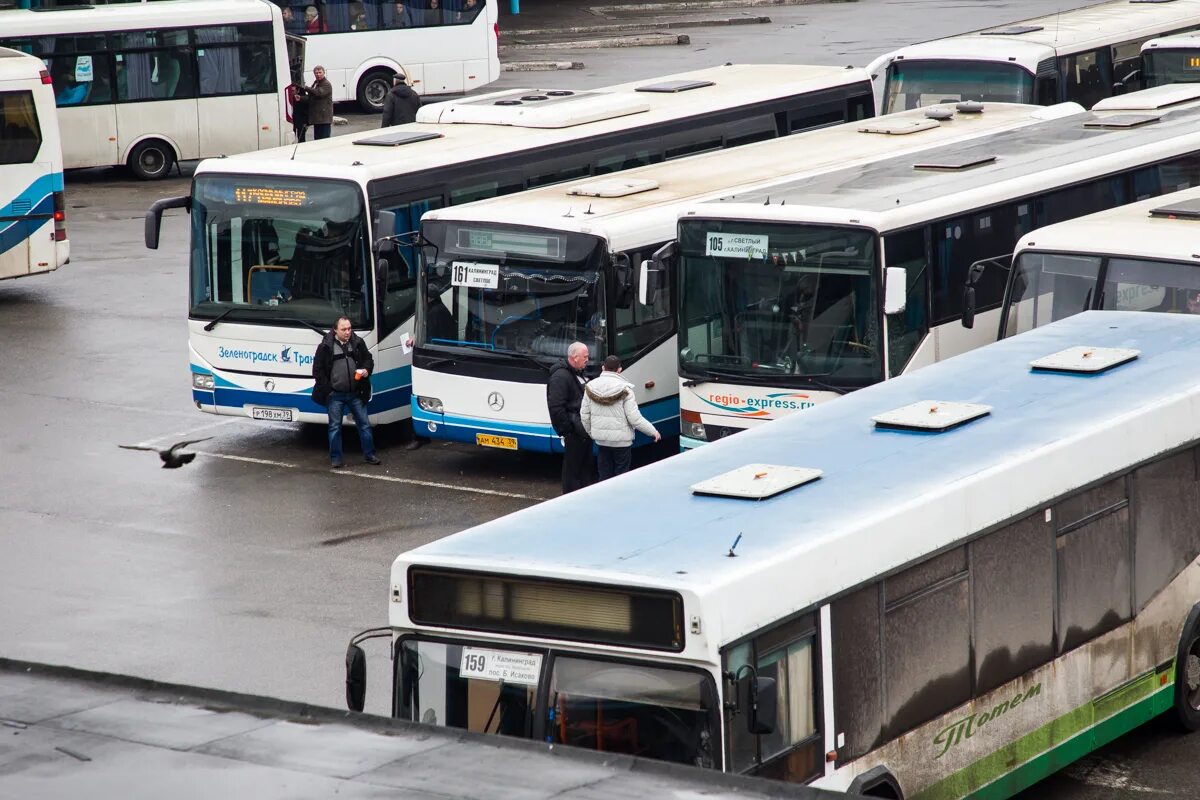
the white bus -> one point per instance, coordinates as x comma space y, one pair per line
509, 283
285, 239
1138, 257
783, 301
33, 222
1082, 55
150, 84
833, 600
1171, 59
442, 46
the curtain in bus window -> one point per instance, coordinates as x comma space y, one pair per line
20, 134
337, 16
220, 67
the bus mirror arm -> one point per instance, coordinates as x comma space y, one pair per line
154, 216
974, 274
356, 667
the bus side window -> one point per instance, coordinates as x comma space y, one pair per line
857, 671
1127, 64
1089, 77
1046, 90
400, 300
638, 326
908, 250
1166, 502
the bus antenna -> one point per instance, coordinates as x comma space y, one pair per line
733, 547
294, 149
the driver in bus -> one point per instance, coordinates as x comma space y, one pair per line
1193, 301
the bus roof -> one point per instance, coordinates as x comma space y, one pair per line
340, 156
1129, 230
130, 16
886, 499
1061, 32
1183, 41
712, 174
16, 65
960, 177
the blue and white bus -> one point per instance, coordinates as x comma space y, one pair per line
947, 585
33, 227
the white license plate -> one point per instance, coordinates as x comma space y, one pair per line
276, 414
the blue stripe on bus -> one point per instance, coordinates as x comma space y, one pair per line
15, 231
391, 389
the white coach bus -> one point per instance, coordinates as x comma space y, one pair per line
290, 238
1081, 55
33, 227
783, 301
507, 284
150, 84
1138, 257
834, 600
1171, 59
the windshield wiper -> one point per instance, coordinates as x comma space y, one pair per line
718, 375
229, 311
493, 354
814, 380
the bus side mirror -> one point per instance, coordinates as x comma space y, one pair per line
758, 698
974, 273
385, 221
647, 283
154, 216
895, 290
356, 678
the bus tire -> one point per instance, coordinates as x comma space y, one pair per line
876, 782
373, 90
1187, 674
152, 159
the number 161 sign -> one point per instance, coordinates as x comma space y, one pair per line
474, 275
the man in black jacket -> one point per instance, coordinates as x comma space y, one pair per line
401, 104
564, 396
342, 368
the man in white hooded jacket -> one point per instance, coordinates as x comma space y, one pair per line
610, 416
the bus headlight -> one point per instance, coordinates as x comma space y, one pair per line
430, 404
693, 428
204, 382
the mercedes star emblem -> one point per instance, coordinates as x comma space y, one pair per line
270, 385
495, 401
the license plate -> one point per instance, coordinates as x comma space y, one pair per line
488, 440
275, 414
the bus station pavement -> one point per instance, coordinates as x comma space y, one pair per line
249, 569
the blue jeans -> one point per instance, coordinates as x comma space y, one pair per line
613, 461
338, 401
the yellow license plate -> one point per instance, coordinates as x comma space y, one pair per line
488, 440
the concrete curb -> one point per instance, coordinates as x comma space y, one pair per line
715, 4
636, 40
539, 66
640, 26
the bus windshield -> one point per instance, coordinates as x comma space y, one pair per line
512, 290
916, 84
1171, 66
279, 249
1050, 286
779, 304
616, 707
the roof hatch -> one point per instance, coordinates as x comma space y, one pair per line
1183, 209
1122, 121
1084, 360
955, 163
898, 127
671, 87
1013, 30
398, 138
931, 416
613, 187
1152, 99
756, 481
530, 108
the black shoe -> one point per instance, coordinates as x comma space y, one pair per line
373, 460
338, 464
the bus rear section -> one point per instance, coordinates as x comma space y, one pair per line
33, 232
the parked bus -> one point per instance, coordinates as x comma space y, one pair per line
1171, 59
286, 239
1137, 257
150, 84
793, 297
446, 47
836, 601
33, 226
509, 283
1082, 55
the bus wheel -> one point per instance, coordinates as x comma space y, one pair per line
373, 90
152, 159
1187, 674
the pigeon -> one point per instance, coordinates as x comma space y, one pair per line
171, 457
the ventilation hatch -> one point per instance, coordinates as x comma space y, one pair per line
931, 416
398, 138
672, 87
898, 127
613, 187
1013, 30
756, 481
1153, 99
955, 163
531, 108
1122, 121
1084, 360
1183, 209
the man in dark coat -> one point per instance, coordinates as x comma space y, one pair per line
401, 104
564, 396
342, 368
320, 103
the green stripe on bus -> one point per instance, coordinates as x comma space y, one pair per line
1056, 744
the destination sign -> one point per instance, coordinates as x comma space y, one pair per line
267, 196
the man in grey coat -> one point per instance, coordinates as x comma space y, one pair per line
610, 416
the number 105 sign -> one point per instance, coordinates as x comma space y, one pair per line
508, 666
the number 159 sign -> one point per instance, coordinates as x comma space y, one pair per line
508, 666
